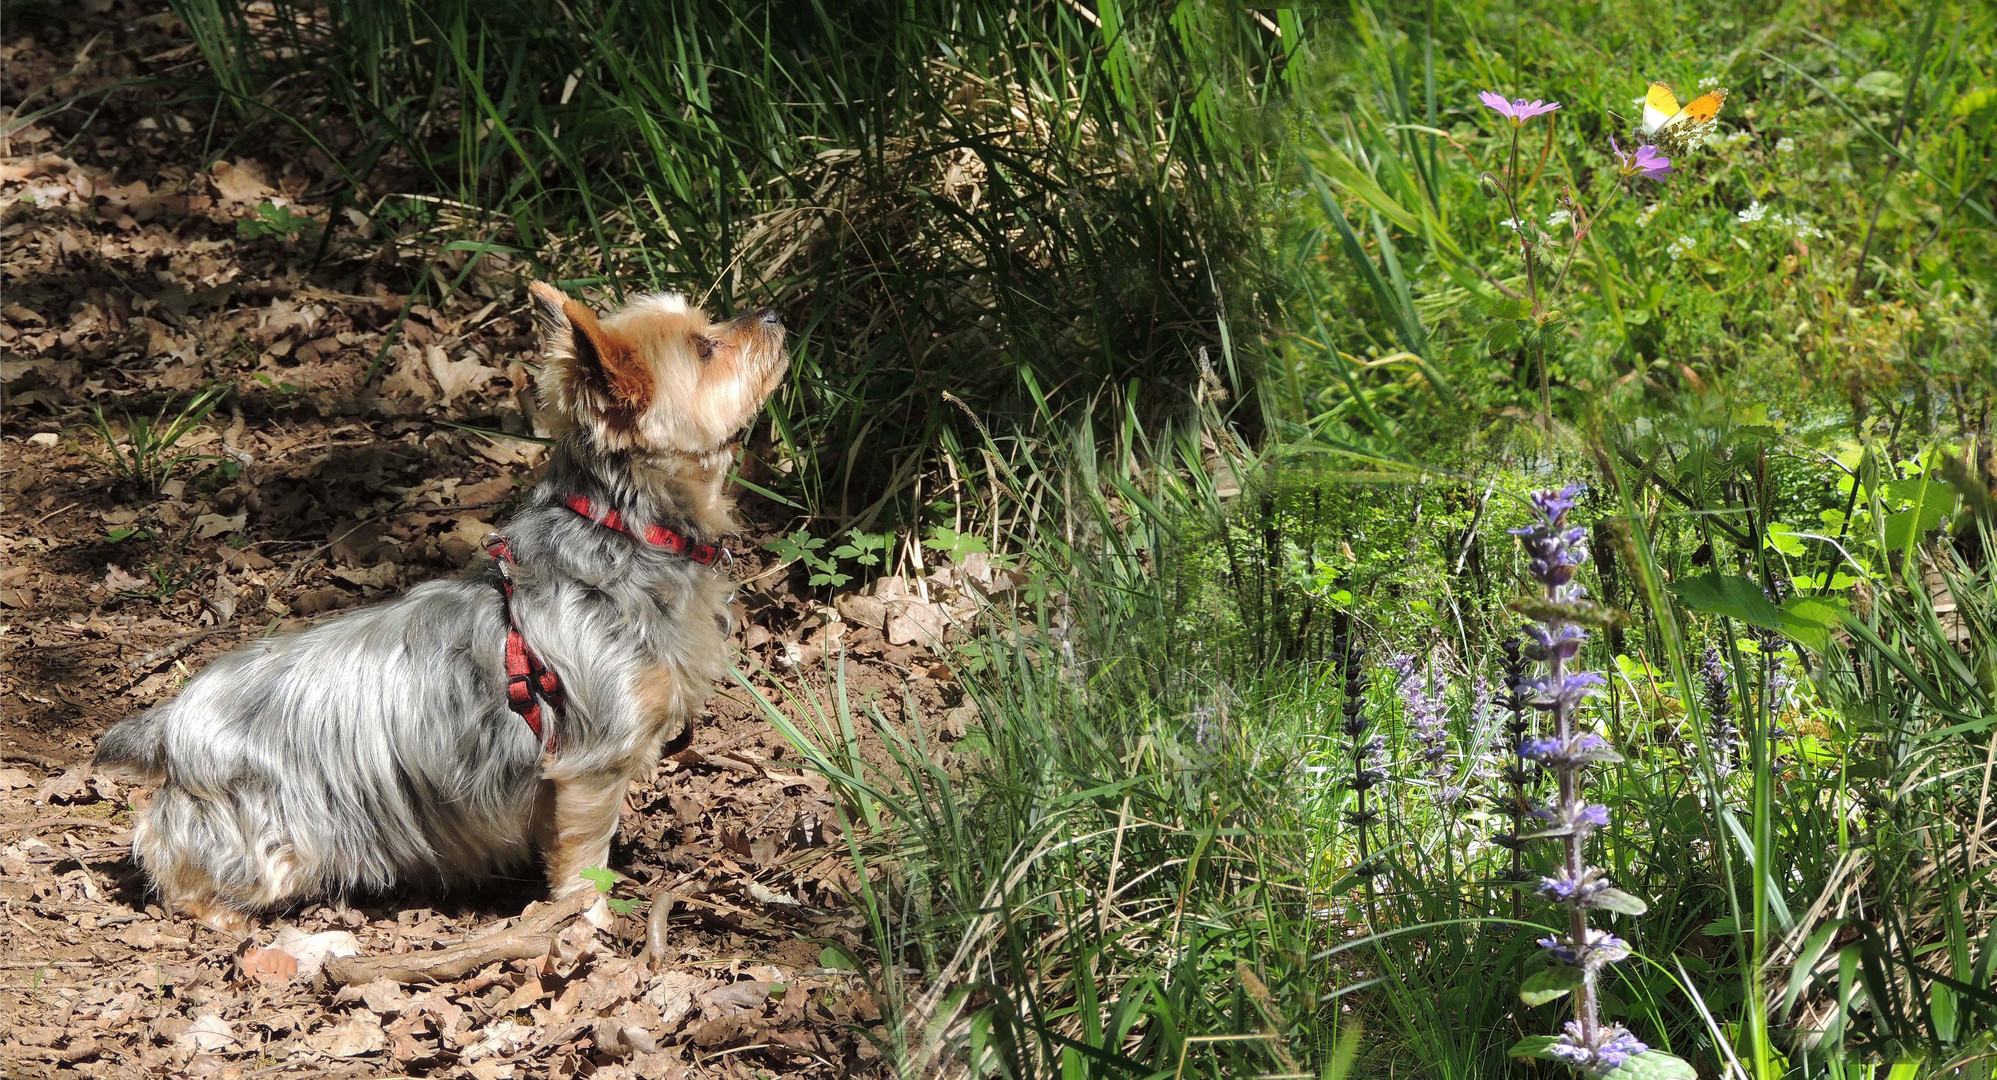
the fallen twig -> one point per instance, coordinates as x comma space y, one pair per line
60, 822
40, 761
172, 651
532, 935
656, 920
81, 857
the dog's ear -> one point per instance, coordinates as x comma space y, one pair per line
596, 369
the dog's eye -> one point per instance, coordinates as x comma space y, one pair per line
703, 347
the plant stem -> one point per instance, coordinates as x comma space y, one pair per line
1586, 1006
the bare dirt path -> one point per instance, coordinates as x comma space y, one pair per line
131, 281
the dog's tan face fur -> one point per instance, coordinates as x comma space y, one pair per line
657, 378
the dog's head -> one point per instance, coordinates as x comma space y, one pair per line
656, 376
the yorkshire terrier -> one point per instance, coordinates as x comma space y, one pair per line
456, 730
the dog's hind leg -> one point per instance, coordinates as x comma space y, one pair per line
213, 860
585, 820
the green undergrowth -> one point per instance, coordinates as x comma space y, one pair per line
1830, 241
961, 210
1787, 474
1206, 318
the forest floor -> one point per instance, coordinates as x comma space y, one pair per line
332, 476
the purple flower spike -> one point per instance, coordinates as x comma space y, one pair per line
1610, 1049
1617, 1049
1554, 549
1584, 820
1554, 505
1517, 110
1647, 162
1603, 948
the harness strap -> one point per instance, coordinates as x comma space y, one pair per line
529, 682
656, 535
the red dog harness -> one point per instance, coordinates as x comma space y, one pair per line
529, 682
655, 535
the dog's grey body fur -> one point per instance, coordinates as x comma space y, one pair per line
377, 747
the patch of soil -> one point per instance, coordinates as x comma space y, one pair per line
340, 468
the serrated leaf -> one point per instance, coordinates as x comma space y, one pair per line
1907, 526
1501, 336
1620, 902
1536, 1046
1654, 1065
1729, 595
1784, 539
604, 880
1807, 620
1550, 985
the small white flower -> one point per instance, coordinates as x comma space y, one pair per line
1558, 218
1754, 212
1681, 247
1709, 82
1511, 223
1736, 137
1649, 212
1796, 222
1785, 145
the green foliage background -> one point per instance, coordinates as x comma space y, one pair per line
1211, 309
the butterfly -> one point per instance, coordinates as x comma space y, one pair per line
1675, 128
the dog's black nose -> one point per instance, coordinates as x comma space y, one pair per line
771, 318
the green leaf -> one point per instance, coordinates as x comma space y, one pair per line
119, 535
1550, 985
1536, 1046
1729, 595
798, 545
1654, 1065
1501, 336
1784, 539
1807, 620
604, 880
1974, 101
1886, 84
621, 906
953, 543
1621, 902
1907, 526
835, 958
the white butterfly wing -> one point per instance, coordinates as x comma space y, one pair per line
1660, 108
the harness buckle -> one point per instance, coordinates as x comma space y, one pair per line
502, 559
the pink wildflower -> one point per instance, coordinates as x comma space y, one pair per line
1647, 162
1519, 110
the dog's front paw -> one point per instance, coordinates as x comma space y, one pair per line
216, 917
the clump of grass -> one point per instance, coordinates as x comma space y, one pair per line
965, 211
148, 451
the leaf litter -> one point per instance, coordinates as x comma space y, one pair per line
130, 282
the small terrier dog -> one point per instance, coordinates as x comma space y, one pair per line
388, 745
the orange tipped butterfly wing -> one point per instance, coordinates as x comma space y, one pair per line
1677, 126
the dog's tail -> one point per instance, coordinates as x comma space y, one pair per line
135, 748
